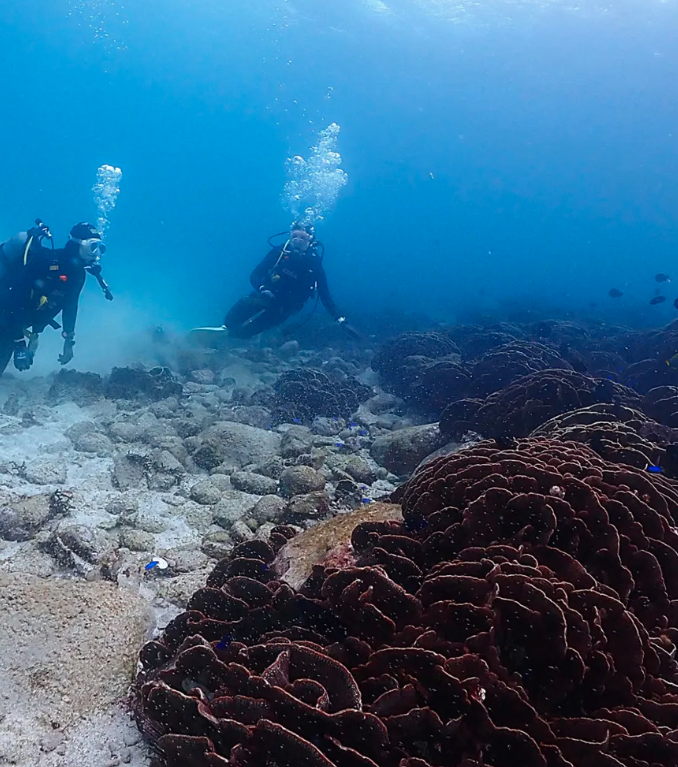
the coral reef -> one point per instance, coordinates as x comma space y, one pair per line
524, 612
397, 371
73, 386
531, 401
305, 394
503, 365
617, 433
130, 383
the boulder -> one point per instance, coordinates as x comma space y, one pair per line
298, 480
403, 450
239, 445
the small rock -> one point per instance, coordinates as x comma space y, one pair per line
268, 509
257, 484
222, 481
162, 482
185, 560
360, 470
122, 431
167, 463
254, 415
22, 518
232, 506
129, 472
187, 427
45, 471
207, 457
295, 441
241, 532
136, 540
72, 542
273, 468
309, 506
298, 480
289, 349
205, 493
380, 403
93, 442
328, 427
11, 406
203, 377
217, 545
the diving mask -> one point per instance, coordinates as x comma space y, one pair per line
91, 249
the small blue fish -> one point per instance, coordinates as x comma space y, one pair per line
224, 642
296, 420
367, 500
654, 469
362, 433
153, 563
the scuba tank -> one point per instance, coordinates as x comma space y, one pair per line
17, 248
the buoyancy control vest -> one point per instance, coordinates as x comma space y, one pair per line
14, 252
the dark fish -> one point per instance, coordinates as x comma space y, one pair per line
662, 277
614, 293
224, 642
675, 303
658, 300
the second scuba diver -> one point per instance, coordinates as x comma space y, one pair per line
39, 283
283, 282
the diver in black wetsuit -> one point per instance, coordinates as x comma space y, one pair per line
283, 282
38, 283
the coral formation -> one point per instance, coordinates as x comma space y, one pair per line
503, 365
305, 394
399, 361
130, 383
530, 401
524, 613
617, 433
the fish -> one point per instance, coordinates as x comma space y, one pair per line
654, 469
662, 277
224, 642
672, 362
675, 303
657, 300
614, 293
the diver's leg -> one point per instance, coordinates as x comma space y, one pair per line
269, 318
242, 311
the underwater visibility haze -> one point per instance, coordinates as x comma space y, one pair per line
494, 151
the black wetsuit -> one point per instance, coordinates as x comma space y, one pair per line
32, 295
292, 279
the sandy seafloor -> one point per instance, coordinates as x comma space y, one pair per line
76, 603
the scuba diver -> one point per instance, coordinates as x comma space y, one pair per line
283, 282
38, 283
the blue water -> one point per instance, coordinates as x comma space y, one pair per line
497, 152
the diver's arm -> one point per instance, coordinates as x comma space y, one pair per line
69, 313
260, 274
324, 294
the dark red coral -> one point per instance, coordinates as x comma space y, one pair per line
523, 613
532, 400
501, 366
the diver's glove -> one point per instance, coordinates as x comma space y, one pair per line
69, 343
23, 359
350, 331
